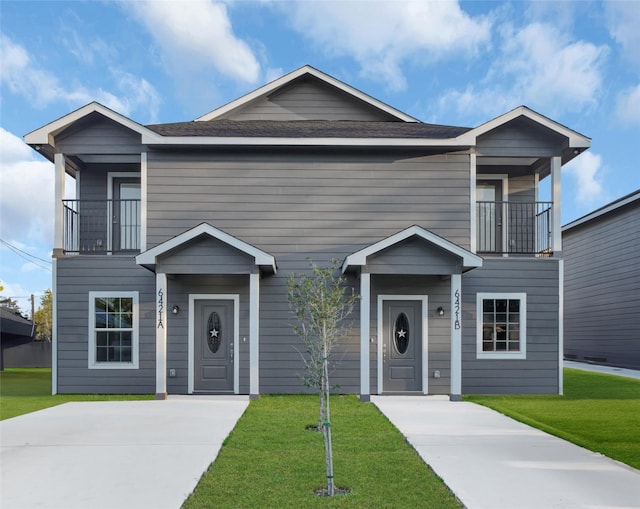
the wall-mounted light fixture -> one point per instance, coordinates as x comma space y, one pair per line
440, 311
175, 310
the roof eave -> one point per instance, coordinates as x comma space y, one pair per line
460, 142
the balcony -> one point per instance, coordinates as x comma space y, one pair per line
101, 226
505, 228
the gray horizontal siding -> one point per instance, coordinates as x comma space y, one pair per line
414, 256
205, 256
98, 135
538, 373
520, 137
322, 206
296, 201
308, 100
77, 276
602, 289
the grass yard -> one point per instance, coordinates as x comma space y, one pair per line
598, 412
270, 460
24, 390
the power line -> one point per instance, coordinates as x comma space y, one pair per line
22, 254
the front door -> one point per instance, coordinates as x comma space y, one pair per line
213, 346
126, 214
489, 198
402, 346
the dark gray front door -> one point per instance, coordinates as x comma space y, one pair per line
213, 346
402, 347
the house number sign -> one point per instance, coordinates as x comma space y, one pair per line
160, 308
456, 310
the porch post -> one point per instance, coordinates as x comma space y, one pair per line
254, 335
456, 337
161, 336
58, 217
556, 232
365, 306
143, 202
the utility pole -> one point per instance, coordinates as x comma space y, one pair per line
33, 315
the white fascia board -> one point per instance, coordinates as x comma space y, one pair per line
44, 135
305, 142
576, 140
288, 78
360, 257
601, 212
261, 258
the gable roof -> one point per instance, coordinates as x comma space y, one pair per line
262, 259
359, 258
576, 140
44, 134
305, 70
606, 209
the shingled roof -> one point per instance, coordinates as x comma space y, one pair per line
308, 129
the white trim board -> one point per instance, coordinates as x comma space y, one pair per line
235, 297
425, 337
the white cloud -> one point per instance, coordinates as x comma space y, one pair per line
585, 173
382, 36
25, 77
196, 36
538, 66
628, 106
623, 20
24, 219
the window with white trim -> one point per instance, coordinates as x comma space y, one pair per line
502, 326
113, 330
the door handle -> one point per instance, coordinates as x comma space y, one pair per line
231, 350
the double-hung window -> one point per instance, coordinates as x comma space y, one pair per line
113, 330
502, 326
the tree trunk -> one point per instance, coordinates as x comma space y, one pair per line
326, 428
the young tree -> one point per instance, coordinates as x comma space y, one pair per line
44, 317
320, 303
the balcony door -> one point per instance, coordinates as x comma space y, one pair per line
489, 217
125, 213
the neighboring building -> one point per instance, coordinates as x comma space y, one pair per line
15, 331
170, 266
602, 285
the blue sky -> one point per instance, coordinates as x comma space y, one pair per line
455, 63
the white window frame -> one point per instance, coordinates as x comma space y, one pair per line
93, 363
522, 354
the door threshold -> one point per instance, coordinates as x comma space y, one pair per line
403, 393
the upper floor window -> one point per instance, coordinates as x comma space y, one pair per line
502, 325
113, 330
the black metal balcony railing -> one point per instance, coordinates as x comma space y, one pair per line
101, 226
514, 228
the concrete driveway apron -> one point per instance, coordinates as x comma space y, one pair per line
490, 461
120, 454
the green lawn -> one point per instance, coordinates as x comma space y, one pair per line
598, 412
271, 460
24, 390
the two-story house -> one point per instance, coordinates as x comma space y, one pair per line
170, 265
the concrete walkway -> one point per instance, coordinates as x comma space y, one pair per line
490, 461
113, 455
607, 370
